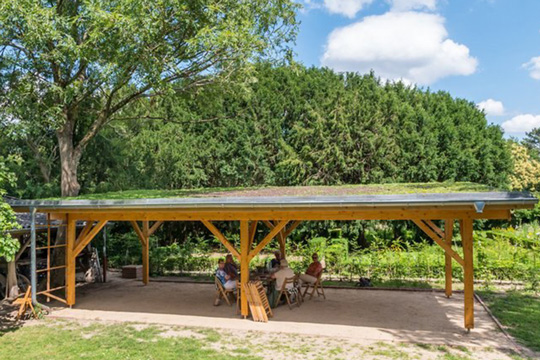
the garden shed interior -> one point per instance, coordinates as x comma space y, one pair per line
432, 208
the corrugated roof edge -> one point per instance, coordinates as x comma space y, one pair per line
423, 199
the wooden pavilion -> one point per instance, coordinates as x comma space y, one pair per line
281, 210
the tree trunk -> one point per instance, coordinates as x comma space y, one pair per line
69, 163
12, 289
69, 160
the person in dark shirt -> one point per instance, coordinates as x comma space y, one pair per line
274, 264
230, 267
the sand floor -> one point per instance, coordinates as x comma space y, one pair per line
360, 316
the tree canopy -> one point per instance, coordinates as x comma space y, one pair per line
71, 67
8, 221
292, 126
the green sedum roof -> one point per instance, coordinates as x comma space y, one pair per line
272, 191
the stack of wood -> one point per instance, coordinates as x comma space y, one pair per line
258, 301
132, 271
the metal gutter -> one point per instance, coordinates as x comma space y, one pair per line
510, 199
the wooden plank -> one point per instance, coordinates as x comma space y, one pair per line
146, 253
468, 272
448, 235
139, 232
154, 227
244, 265
439, 241
268, 238
214, 230
70, 260
287, 214
86, 240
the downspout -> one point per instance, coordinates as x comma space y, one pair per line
33, 266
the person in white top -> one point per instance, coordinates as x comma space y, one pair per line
283, 273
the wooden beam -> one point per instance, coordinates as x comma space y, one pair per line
435, 228
252, 232
448, 234
146, 253
439, 241
86, 240
214, 230
154, 227
70, 260
468, 272
268, 238
139, 232
286, 214
85, 231
244, 266
290, 229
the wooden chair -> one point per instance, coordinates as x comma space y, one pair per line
317, 286
298, 286
25, 302
221, 292
288, 292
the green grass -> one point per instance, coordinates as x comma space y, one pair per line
63, 339
519, 312
404, 188
67, 340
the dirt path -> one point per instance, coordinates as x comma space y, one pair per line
364, 317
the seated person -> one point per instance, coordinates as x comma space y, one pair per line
312, 272
221, 274
230, 267
283, 273
274, 263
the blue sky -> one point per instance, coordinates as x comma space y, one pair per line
487, 51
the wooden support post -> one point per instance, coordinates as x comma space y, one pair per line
468, 269
70, 260
146, 253
448, 234
244, 265
281, 240
252, 232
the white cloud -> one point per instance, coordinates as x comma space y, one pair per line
491, 107
521, 123
405, 5
348, 8
411, 46
534, 67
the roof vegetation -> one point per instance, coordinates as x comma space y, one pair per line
371, 189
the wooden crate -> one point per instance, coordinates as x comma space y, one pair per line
132, 271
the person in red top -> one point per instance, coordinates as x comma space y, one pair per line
313, 271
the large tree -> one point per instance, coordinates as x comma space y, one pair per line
73, 66
8, 245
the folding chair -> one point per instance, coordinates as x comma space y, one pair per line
288, 292
221, 292
298, 288
317, 286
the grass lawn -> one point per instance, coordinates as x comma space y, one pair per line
371, 189
61, 339
519, 312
